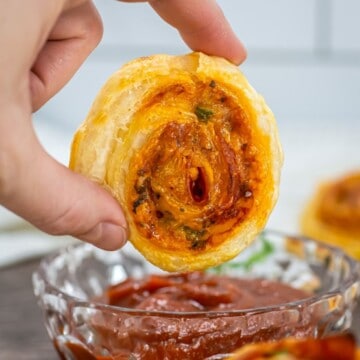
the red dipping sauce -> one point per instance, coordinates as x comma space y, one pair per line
188, 325
198, 291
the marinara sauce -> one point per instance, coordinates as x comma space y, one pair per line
188, 325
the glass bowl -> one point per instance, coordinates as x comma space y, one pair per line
67, 282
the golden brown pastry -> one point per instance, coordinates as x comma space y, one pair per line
333, 214
340, 347
190, 151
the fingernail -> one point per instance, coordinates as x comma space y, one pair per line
106, 236
114, 236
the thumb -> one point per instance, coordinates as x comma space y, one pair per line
54, 199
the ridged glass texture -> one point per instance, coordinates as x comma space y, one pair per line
66, 283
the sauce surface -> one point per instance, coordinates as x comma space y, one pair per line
198, 291
190, 331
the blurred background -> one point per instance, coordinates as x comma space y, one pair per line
303, 57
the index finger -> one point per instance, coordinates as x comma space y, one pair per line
202, 25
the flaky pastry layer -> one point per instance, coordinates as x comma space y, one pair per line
190, 151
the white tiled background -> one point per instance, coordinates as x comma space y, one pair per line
303, 56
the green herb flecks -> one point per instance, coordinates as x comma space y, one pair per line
198, 244
203, 114
278, 352
141, 199
141, 187
267, 248
195, 237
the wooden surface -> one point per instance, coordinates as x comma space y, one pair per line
22, 334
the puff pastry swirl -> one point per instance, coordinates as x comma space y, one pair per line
336, 347
333, 213
190, 151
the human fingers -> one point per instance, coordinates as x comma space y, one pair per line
202, 25
75, 34
49, 195
32, 184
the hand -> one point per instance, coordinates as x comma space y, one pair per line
202, 25
43, 43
